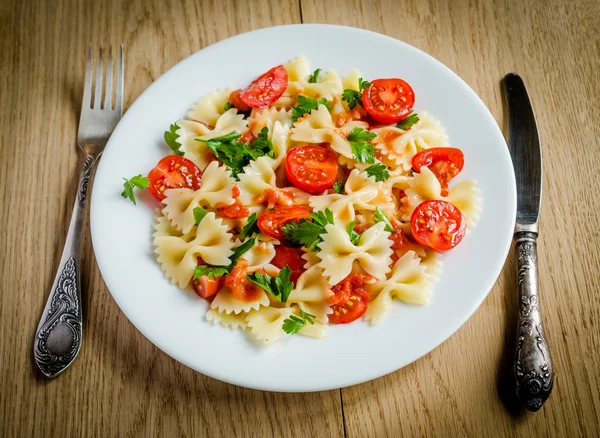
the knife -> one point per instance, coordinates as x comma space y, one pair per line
533, 371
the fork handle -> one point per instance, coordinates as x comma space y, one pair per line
58, 337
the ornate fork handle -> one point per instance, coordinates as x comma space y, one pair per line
58, 337
533, 366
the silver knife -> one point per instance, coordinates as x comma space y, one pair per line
534, 374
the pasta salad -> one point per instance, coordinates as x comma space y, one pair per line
307, 199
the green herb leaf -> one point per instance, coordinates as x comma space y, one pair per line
354, 236
307, 233
280, 286
227, 106
381, 217
262, 143
294, 324
251, 227
139, 181
379, 171
362, 149
171, 137
339, 187
409, 121
199, 214
306, 104
218, 271
314, 78
353, 97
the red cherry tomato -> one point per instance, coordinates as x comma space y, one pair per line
265, 89
313, 169
236, 101
350, 299
206, 287
271, 221
290, 257
445, 163
388, 100
174, 172
438, 225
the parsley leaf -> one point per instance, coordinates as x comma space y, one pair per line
218, 271
294, 324
236, 154
199, 214
305, 105
339, 187
363, 151
227, 106
379, 171
251, 227
314, 78
352, 97
171, 137
280, 286
307, 233
139, 181
381, 217
410, 120
354, 236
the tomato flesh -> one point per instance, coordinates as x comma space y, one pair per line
388, 100
290, 257
241, 288
174, 172
438, 225
265, 89
234, 211
236, 101
206, 287
313, 169
350, 299
445, 163
271, 221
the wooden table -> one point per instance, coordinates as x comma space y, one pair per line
121, 385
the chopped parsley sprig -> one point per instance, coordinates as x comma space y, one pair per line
409, 121
339, 187
379, 171
381, 217
314, 77
353, 97
280, 286
171, 137
218, 271
306, 232
251, 227
362, 149
293, 324
139, 181
199, 214
305, 105
354, 236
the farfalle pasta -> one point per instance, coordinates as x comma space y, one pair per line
308, 199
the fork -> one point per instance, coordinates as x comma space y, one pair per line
59, 334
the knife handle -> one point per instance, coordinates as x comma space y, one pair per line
534, 373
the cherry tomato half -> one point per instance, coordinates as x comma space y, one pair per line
206, 287
237, 102
271, 221
290, 257
265, 89
388, 100
173, 172
445, 163
438, 225
350, 299
313, 169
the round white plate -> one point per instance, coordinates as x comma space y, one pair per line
174, 319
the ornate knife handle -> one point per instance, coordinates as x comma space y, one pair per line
533, 366
58, 337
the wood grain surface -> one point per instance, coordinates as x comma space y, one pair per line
121, 385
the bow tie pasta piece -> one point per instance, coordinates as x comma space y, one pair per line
340, 144
311, 294
329, 85
314, 128
425, 186
410, 281
338, 253
211, 107
178, 254
226, 303
267, 117
399, 179
260, 254
216, 190
266, 324
350, 81
399, 147
231, 320
280, 137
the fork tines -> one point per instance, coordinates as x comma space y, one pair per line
97, 89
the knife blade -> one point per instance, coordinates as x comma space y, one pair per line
533, 370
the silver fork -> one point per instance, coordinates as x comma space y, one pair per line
59, 333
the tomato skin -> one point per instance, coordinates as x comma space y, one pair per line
290, 257
313, 169
445, 163
388, 100
271, 221
265, 89
174, 172
236, 101
350, 299
438, 225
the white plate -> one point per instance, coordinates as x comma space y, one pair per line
174, 320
